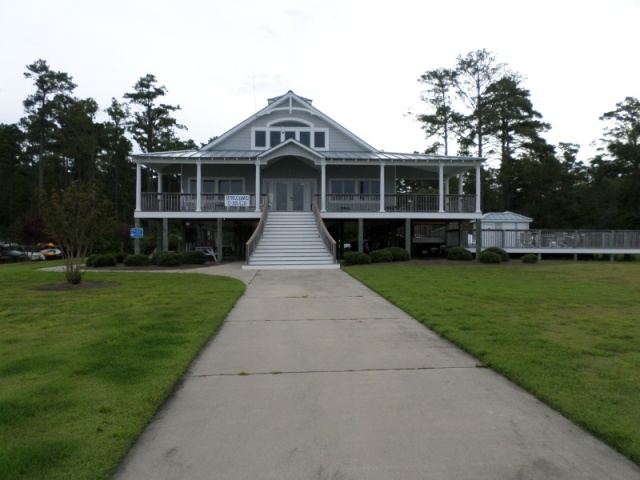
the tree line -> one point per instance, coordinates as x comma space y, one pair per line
478, 106
63, 140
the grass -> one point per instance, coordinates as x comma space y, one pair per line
83, 371
568, 333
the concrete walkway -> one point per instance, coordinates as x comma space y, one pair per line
314, 376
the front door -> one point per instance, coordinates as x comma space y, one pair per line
291, 195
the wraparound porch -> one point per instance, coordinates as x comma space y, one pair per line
334, 203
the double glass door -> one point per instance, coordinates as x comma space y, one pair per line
290, 195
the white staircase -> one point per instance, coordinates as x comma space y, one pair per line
290, 240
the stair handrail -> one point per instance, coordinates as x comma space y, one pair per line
252, 243
326, 237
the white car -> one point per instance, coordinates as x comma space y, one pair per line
35, 256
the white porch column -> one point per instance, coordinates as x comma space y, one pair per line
138, 186
198, 185
441, 187
478, 183
382, 165
159, 189
258, 181
460, 185
323, 186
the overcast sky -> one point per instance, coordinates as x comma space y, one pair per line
358, 60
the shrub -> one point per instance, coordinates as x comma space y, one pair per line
459, 253
382, 255
101, 260
193, 257
504, 256
399, 254
489, 257
138, 260
530, 258
91, 260
167, 259
120, 256
356, 258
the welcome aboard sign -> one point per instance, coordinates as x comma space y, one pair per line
236, 200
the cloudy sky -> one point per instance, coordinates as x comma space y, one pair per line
359, 60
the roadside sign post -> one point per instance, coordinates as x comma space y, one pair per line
136, 234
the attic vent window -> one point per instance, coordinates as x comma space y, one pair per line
289, 123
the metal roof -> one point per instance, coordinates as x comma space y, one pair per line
337, 156
505, 217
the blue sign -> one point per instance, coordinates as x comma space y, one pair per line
137, 232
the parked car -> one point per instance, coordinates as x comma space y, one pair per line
51, 253
12, 252
36, 256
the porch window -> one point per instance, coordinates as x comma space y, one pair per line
208, 185
305, 138
343, 186
369, 186
230, 186
289, 134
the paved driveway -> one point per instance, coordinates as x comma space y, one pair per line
314, 376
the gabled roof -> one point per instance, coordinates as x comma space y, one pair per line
505, 217
289, 147
291, 102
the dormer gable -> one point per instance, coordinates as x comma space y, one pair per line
289, 116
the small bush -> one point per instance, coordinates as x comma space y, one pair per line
382, 255
101, 260
530, 258
167, 259
120, 256
489, 257
504, 256
399, 254
459, 254
356, 258
193, 257
137, 261
91, 259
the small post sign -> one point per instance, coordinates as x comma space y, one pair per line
236, 200
137, 233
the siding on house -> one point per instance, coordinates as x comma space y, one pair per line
241, 139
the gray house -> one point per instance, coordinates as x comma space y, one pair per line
267, 189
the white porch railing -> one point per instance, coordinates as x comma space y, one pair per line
336, 202
551, 239
187, 202
359, 202
327, 239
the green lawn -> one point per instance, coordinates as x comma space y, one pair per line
569, 333
82, 372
